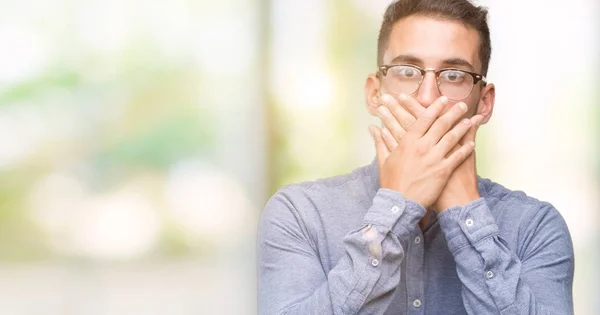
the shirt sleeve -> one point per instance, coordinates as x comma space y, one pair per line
291, 279
495, 280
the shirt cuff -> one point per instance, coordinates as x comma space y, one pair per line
394, 212
467, 225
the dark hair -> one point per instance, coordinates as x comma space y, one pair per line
459, 10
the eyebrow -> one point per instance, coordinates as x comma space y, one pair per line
459, 62
454, 62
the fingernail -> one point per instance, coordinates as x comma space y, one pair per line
471, 143
444, 100
467, 121
462, 106
382, 110
403, 97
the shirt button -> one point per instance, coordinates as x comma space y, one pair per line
417, 240
489, 274
375, 262
469, 222
395, 209
417, 303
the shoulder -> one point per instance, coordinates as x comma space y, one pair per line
514, 203
311, 193
524, 217
308, 201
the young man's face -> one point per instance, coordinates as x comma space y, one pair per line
433, 43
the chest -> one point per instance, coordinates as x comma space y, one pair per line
429, 283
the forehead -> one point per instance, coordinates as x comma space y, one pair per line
433, 41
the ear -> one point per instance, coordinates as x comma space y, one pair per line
486, 102
372, 93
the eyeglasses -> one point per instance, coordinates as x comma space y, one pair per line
455, 84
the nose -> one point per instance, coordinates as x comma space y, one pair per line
428, 91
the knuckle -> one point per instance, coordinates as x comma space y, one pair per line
463, 153
441, 172
384, 117
450, 138
441, 128
378, 138
444, 142
398, 135
428, 118
421, 149
383, 111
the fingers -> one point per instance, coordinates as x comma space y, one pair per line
445, 122
427, 118
391, 122
380, 148
388, 139
412, 105
401, 114
454, 137
459, 156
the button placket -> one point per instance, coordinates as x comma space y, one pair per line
415, 272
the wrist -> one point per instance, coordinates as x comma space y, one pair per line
459, 200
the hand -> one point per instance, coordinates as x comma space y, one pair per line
461, 188
462, 184
420, 165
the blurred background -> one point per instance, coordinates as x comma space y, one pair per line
139, 140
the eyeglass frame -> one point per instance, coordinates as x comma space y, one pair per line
476, 76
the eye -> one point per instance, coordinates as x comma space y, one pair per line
453, 76
405, 72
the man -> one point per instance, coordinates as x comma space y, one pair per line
417, 232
